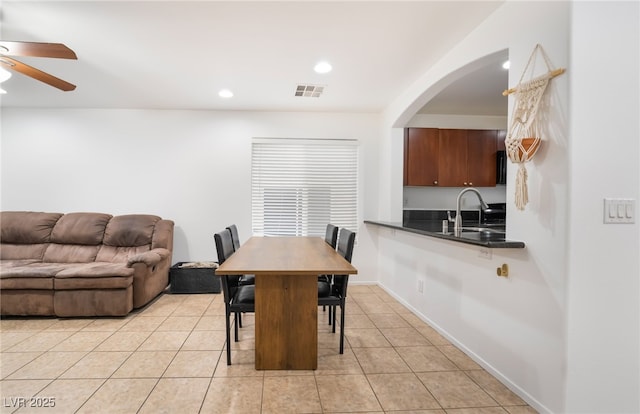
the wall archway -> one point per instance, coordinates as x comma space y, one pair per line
432, 87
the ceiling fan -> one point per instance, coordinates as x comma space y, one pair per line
36, 49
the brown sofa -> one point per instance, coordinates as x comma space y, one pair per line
81, 264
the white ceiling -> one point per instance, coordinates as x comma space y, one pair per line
179, 54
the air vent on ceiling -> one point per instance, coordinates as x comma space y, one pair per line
312, 91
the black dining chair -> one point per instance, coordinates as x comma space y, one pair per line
331, 238
331, 235
336, 293
237, 298
244, 279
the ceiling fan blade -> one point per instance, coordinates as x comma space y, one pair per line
15, 65
36, 49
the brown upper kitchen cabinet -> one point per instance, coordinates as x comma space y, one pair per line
452, 171
481, 158
450, 157
421, 156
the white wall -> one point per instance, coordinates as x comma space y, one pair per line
514, 327
562, 330
189, 166
603, 345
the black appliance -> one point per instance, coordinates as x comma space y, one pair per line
501, 167
495, 214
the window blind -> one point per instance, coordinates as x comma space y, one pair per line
298, 186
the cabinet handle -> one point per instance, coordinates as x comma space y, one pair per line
435, 182
464, 183
470, 183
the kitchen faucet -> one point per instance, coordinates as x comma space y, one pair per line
457, 228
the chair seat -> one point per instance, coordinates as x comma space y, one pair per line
245, 295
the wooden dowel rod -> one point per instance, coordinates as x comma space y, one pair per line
552, 74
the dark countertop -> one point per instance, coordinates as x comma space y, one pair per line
433, 228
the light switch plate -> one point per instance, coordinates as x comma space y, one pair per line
619, 210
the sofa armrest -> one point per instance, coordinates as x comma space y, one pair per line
150, 258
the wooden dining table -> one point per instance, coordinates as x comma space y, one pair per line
286, 273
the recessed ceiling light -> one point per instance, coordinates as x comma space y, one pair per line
322, 67
225, 93
506, 65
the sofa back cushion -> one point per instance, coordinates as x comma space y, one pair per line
76, 238
80, 228
25, 234
27, 227
132, 230
127, 235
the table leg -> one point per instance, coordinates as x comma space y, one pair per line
286, 322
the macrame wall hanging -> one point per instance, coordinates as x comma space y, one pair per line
524, 134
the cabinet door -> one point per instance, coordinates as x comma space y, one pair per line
481, 158
452, 160
421, 157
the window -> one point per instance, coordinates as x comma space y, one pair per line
298, 186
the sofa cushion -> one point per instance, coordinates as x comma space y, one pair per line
95, 270
25, 274
119, 254
80, 228
27, 227
130, 230
70, 253
7, 264
30, 283
32, 270
81, 283
10, 251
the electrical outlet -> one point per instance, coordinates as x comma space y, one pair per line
485, 253
420, 286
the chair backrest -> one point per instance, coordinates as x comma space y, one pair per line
224, 248
331, 235
233, 229
346, 242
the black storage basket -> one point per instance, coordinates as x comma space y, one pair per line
193, 279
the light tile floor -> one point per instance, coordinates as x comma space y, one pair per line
169, 358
